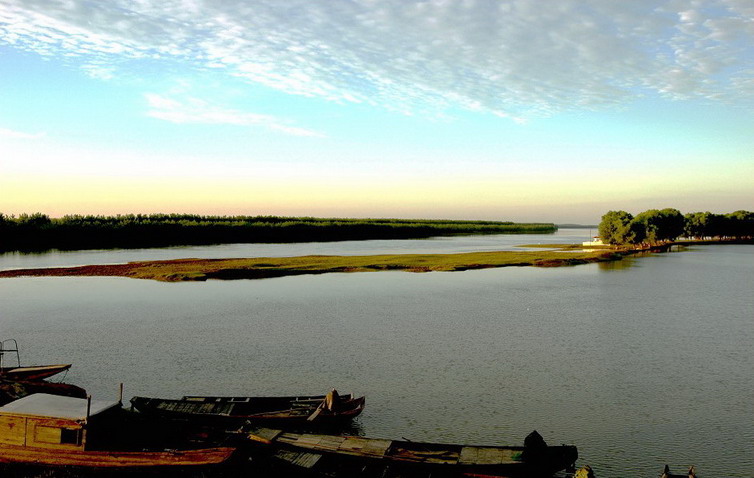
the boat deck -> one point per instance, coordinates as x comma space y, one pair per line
402, 451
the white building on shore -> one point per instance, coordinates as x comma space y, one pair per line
596, 241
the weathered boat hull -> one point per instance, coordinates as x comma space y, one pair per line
294, 465
114, 459
331, 454
259, 410
37, 372
232, 399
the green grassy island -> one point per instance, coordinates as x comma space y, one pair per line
266, 267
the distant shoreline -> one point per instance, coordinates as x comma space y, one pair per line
39, 233
180, 270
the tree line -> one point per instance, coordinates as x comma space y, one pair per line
658, 226
35, 232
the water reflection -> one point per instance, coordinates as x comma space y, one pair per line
625, 263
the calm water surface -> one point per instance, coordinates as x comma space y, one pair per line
493, 242
639, 363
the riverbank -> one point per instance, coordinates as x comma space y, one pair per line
268, 267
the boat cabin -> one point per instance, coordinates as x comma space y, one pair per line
53, 422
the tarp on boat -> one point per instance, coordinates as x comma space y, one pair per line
55, 406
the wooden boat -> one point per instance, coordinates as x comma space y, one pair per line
11, 390
38, 372
356, 456
330, 408
17, 372
43, 429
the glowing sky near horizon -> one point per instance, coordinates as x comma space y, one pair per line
525, 110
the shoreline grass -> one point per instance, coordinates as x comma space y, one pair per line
267, 267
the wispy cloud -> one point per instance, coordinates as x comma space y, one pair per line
513, 59
9, 133
194, 110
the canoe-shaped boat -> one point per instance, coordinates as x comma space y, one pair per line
43, 429
330, 408
332, 454
17, 372
36, 372
292, 398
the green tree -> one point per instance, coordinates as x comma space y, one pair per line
33, 220
715, 226
671, 224
661, 225
739, 224
705, 224
615, 227
649, 221
638, 232
695, 224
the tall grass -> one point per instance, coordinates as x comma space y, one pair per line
33, 232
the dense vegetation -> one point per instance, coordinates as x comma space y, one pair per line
30, 232
655, 226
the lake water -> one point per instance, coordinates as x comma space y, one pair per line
639, 363
434, 245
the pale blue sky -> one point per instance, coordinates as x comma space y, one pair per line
524, 110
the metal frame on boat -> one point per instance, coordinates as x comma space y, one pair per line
17, 372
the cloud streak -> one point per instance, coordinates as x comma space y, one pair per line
194, 110
514, 59
9, 133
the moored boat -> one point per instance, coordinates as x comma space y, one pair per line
11, 390
17, 372
299, 410
43, 429
336, 455
36, 372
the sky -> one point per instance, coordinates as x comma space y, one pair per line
522, 110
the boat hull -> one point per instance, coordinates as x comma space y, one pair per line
263, 411
347, 466
338, 454
38, 372
114, 459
